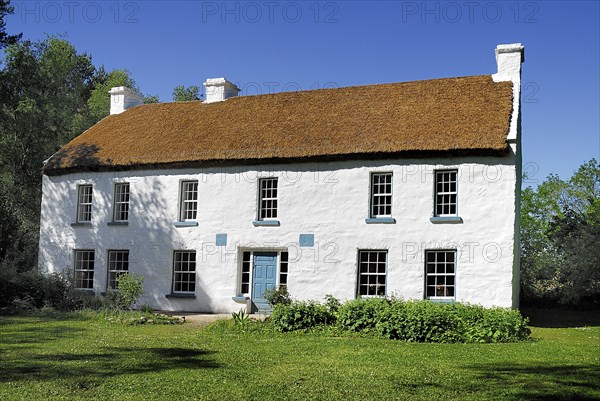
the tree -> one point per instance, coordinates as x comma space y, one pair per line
183, 94
44, 88
576, 235
49, 93
560, 239
99, 101
6, 39
151, 99
539, 260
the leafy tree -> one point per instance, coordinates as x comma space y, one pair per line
576, 235
560, 238
6, 39
183, 94
151, 99
43, 92
49, 93
99, 101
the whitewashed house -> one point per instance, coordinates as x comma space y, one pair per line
407, 189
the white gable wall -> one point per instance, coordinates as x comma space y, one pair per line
329, 200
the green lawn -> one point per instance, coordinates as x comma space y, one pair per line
90, 358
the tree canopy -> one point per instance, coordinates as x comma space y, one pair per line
560, 239
5, 38
183, 94
49, 93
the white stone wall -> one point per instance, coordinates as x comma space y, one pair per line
329, 200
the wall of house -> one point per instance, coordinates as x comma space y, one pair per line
329, 200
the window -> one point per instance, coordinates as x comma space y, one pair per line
184, 272
381, 195
121, 202
283, 269
84, 204
118, 263
372, 267
267, 202
245, 287
440, 273
189, 200
445, 193
84, 269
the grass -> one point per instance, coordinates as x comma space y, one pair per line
84, 356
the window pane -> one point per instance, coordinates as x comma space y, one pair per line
189, 200
445, 193
381, 194
372, 273
118, 263
184, 271
267, 198
439, 273
84, 269
84, 203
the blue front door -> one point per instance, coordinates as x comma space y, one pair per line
263, 277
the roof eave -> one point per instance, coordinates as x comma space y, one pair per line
420, 154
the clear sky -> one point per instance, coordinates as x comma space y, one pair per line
271, 46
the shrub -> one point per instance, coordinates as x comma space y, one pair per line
34, 289
278, 296
493, 325
130, 289
419, 321
360, 314
425, 321
332, 304
300, 316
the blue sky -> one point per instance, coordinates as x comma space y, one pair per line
270, 46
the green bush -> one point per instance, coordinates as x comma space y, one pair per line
493, 325
300, 315
425, 321
277, 296
34, 290
130, 289
360, 314
418, 321
332, 304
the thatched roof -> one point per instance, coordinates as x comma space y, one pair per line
452, 116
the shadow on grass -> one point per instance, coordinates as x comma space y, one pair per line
86, 370
561, 318
543, 382
37, 334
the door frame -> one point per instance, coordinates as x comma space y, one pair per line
253, 250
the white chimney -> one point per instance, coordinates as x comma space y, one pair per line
509, 59
219, 89
123, 98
